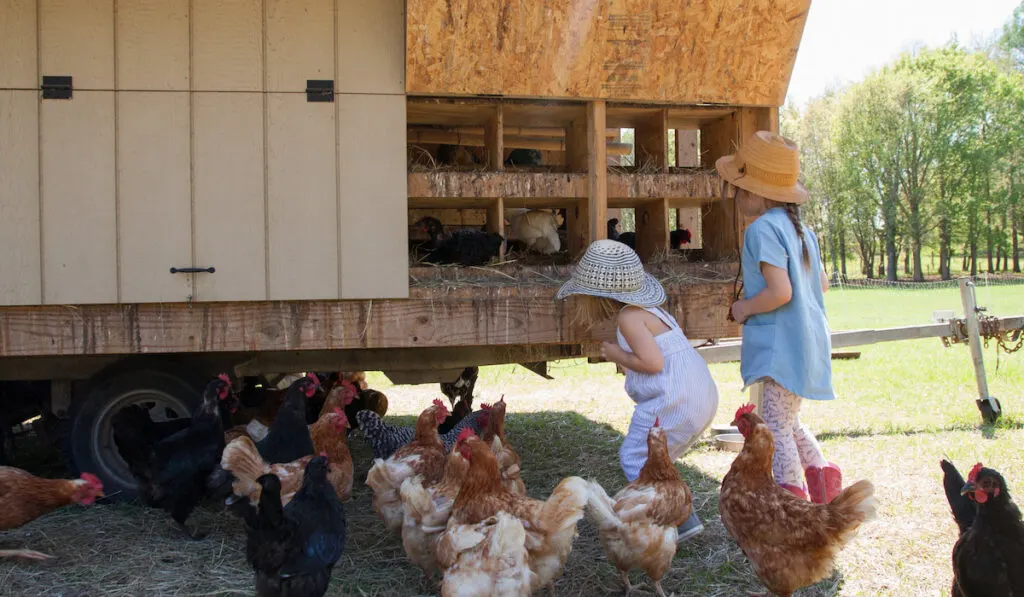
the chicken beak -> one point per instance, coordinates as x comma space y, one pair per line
969, 487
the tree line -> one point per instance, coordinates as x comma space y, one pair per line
924, 155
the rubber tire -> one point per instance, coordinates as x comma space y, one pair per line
91, 419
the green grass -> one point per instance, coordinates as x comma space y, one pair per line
901, 407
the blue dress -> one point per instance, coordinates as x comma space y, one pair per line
792, 344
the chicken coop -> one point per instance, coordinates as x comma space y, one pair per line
191, 186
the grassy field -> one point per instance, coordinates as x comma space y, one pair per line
901, 407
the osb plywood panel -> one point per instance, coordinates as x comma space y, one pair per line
18, 44
228, 195
76, 37
302, 198
153, 45
467, 316
20, 275
371, 46
227, 45
373, 200
729, 51
154, 196
79, 219
299, 43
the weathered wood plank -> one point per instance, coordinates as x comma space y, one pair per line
659, 50
469, 316
700, 185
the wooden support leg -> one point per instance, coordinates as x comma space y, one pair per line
989, 406
494, 139
652, 233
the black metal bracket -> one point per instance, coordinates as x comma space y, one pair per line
319, 90
56, 87
192, 270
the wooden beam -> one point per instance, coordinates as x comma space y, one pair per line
700, 186
597, 172
687, 148
652, 231
470, 315
730, 351
433, 136
494, 140
520, 131
496, 221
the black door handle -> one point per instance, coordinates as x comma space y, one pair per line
192, 270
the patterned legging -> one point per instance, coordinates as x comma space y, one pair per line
795, 446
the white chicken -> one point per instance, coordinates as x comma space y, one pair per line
486, 559
537, 229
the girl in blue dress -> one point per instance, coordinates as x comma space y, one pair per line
786, 340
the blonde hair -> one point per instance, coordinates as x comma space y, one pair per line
588, 311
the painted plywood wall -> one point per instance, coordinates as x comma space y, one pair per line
189, 142
738, 52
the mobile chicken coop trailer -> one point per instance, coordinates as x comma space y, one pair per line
191, 186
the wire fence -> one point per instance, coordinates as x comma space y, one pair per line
980, 280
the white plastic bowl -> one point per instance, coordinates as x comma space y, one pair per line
733, 442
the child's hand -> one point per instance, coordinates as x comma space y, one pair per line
739, 311
612, 353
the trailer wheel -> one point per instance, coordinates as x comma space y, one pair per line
166, 394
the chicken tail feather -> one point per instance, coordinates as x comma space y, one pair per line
243, 460
602, 509
565, 506
855, 504
415, 498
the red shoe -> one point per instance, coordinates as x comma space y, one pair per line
824, 483
797, 491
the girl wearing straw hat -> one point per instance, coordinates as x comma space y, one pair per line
786, 340
665, 376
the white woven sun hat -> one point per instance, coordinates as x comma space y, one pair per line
612, 270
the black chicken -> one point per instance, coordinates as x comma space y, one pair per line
465, 247
288, 437
293, 550
460, 394
988, 556
462, 387
613, 229
385, 439
172, 473
679, 237
524, 157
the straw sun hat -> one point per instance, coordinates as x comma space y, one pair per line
767, 165
612, 270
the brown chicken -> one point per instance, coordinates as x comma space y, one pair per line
550, 525
427, 509
790, 542
25, 497
424, 456
638, 527
242, 459
508, 459
486, 559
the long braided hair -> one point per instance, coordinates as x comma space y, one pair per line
793, 211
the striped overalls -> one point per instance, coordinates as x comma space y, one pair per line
683, 396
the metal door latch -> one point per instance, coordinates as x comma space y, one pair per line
192, 270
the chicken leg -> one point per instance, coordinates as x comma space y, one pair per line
624, 574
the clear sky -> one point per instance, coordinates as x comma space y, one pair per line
845, 39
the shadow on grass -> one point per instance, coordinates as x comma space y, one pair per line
125, 549
988, 431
